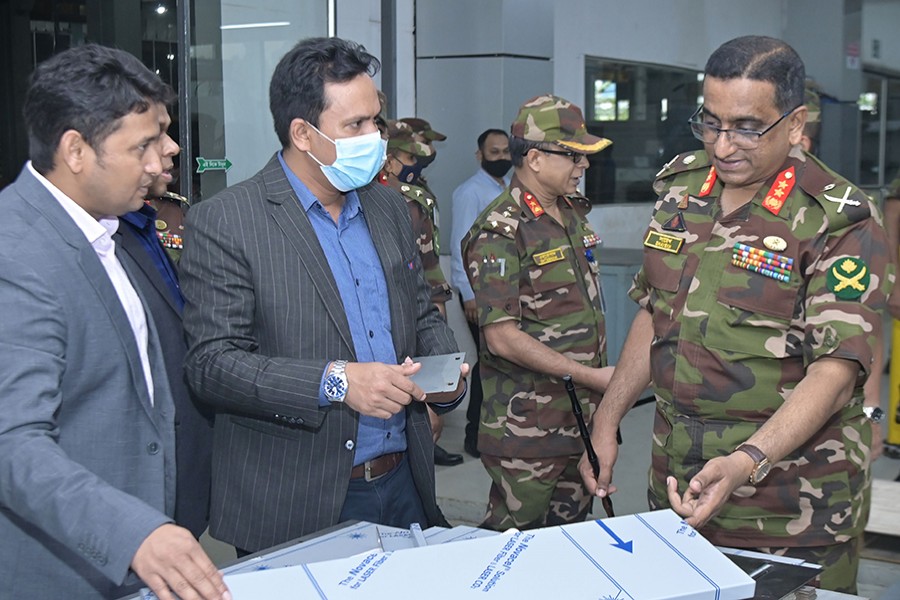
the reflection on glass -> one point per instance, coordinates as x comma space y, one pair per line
643, 109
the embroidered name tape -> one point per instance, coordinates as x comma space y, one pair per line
666, 243
550, 256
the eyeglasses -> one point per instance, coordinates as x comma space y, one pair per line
575, 156
745, 139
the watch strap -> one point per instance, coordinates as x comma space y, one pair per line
753, 452
761, 464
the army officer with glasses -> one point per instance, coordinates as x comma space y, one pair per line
763, 279
531, 258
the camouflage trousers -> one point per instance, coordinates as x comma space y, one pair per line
840, 563
536, 492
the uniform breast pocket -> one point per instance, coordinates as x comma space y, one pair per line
753, 314
663, 272
555, 290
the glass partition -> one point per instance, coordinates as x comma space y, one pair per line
644, 110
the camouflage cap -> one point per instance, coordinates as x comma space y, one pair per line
813, 102
423, 128
381, 118
550, 118
402, 137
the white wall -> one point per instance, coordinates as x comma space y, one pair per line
477, 61
881, 21
249, 57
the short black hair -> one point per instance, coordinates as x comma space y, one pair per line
89, 89
484, 135
519, 147
762, 58
297, 89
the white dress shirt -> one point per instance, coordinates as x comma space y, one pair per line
99, 235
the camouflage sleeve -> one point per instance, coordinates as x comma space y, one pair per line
847, 293
492, 264
423, 230
640, 286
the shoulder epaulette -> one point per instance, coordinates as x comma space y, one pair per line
173, 197
502, 217
689, 161
843, 202
418, 194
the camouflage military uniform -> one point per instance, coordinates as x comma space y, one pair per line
525, 266
421, 205
731, 343
894, 189
170, 209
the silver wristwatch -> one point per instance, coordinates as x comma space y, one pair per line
336, 384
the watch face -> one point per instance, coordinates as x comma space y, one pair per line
335, 387
875, 414
760, 472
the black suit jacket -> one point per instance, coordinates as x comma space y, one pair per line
263, 319
193, 421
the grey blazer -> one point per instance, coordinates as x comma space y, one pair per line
87, 465
263, 319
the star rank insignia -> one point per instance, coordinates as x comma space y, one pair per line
779, 191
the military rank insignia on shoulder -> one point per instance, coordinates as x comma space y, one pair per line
502, 220
689, 161
843, 202
684, 163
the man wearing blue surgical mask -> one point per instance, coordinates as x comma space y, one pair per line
305, 298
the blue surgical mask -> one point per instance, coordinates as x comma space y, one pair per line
357, 160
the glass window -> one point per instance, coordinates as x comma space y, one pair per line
234, 49
644, 110
879, 109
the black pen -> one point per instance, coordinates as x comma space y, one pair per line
586, 438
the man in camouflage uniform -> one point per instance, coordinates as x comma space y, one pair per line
531, 259
401, 171
764, 273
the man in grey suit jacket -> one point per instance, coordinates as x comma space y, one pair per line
87, 449
305, 296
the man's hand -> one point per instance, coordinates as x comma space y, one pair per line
607, 449
471, 310
172, 563
447, 397
710, 489
380, 390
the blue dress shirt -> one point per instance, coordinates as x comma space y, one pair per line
359, 276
